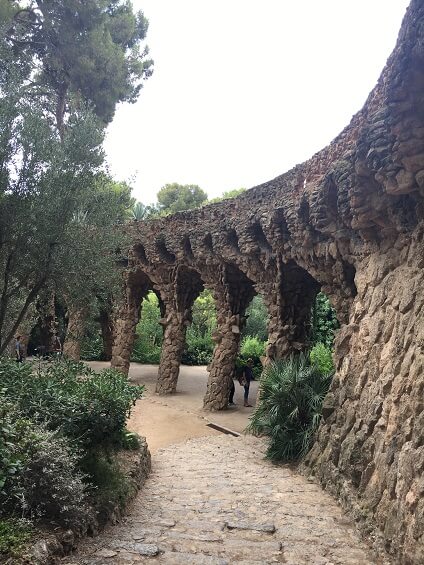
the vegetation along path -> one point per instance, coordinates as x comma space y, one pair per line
215, 500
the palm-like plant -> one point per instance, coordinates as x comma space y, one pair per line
290, 403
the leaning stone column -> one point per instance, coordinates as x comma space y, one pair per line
177, 295
227, 338
127, 317
174, 332
232, 291
75, 332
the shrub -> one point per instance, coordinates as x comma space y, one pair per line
87, 407
39, 472
324, 321
14, 534
289, 410
92, 348
322, 357
113, 488
10, 435
49, 482
257, 319
253, 348
148, 342
146, 352
199, 348
130, 440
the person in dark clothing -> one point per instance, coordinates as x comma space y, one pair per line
19, 349
232, 391
245, 378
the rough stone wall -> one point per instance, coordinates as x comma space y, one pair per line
370, 448
348, 221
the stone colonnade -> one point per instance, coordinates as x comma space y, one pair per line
349, 221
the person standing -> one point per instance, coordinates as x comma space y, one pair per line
245, 379
232, 391
19, 349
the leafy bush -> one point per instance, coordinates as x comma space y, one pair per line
257, 319
130, 440
149, 337
39, 472
146, 353
324, 321
87, 407
290, 404
252, 348
14, 534
112, 486
322, 357
10, 435
199, 348
92, 348
49, 482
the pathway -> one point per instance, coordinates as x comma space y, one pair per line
214, 500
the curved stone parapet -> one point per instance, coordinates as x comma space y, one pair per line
349, 221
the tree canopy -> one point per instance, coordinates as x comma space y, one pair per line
227, 194
90, 50
57, 203
176, 197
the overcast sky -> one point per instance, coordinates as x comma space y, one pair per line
245, 89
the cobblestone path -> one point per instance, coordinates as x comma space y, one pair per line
215, 501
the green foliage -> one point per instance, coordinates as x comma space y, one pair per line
88, 408
199, 344
39, 472
252, 347
130, 440
142, 211
14, 534
112, 486
199, 348
149, 335
59, 429
322, 358
56, 206
10, 434
88, 48
227, 194
92, 348
257, 319
204, 314
324, 321
177, 197
289, 410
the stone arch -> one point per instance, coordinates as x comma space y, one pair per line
137, 284
232, 291
178, 294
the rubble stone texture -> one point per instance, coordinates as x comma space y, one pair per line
350, 221
215, 501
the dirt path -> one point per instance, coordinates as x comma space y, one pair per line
166, 420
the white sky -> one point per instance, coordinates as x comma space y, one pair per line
245, 89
